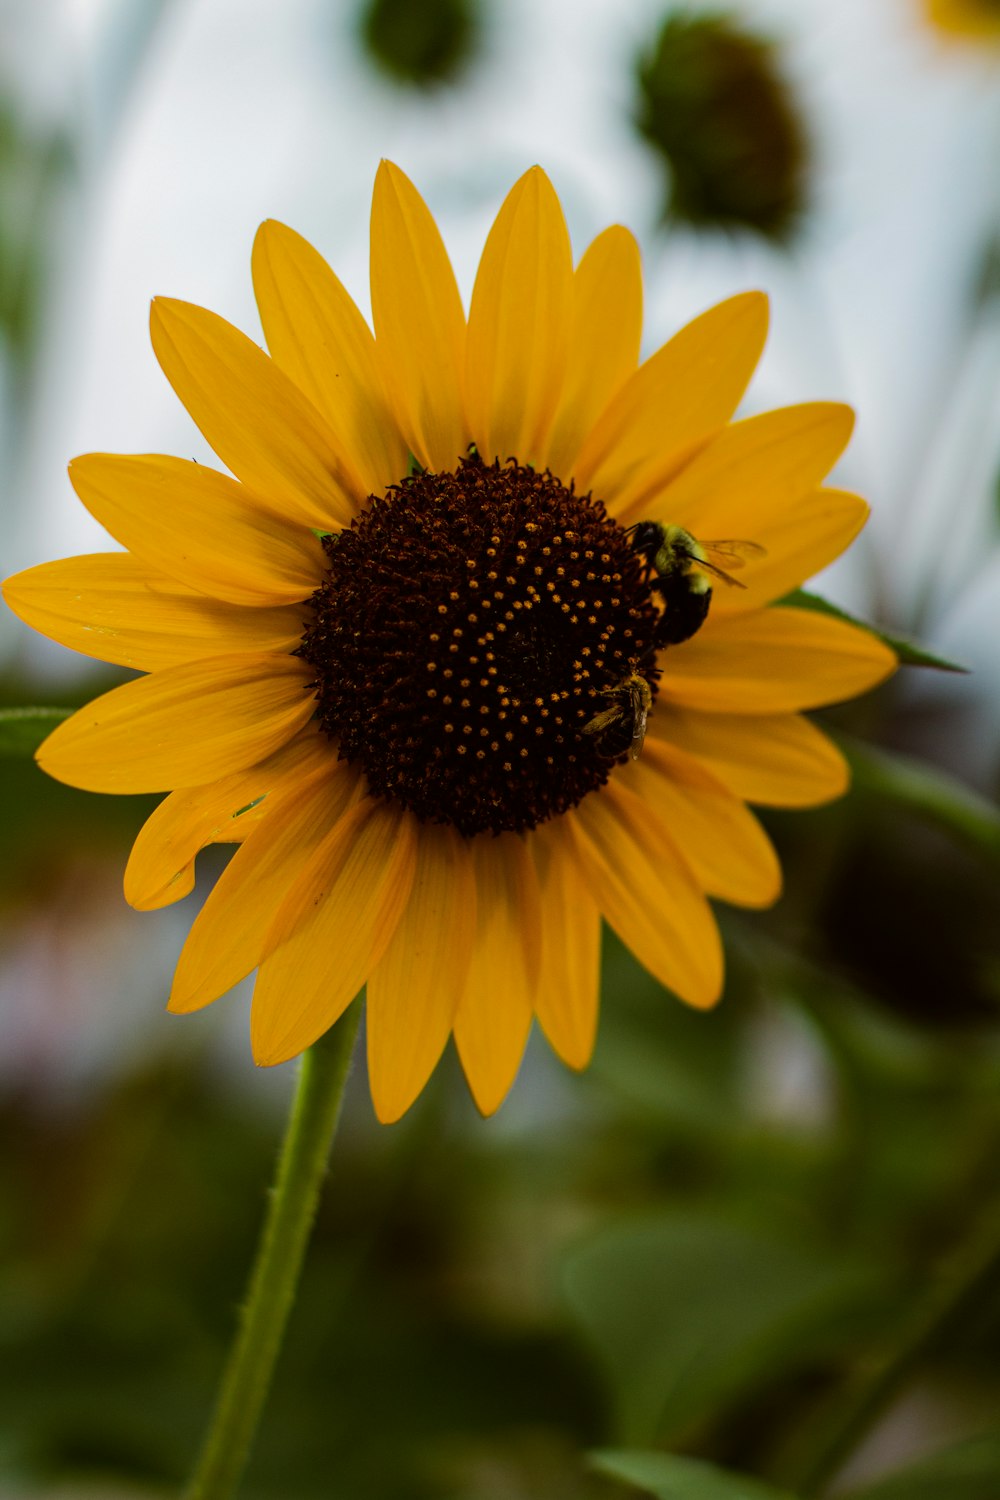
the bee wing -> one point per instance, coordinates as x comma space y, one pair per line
603, 720
640, 712
735, 554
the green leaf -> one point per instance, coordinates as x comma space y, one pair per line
970, 1471
929, 793
909, 653
689, 1309
22, 730
671, 1478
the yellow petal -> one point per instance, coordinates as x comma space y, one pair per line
773, 661
419, 322
569, 983
183, 726
645, 889
160, 869
823, 524
519, 323
730, 855
414, 990
673, 404
751, 474
259, 423
229, 937
494, 1018
332, 928
113, 607
199, 527
779, 760
605, 334
317, 336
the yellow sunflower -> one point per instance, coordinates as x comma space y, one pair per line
403, 658
979, 19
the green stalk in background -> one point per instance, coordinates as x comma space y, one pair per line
311, 1128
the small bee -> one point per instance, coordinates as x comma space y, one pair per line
632, 700
681, 564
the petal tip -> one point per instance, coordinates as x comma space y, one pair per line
386, 1112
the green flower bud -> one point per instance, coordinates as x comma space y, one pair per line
713, 105
423, 45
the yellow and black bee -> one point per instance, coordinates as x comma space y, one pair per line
682, 566
625, 718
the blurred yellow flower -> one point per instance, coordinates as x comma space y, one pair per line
402, 657
966, 18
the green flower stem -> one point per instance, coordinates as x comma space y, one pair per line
973, 1280
311, 1127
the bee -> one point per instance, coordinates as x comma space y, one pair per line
632, 700
682, 565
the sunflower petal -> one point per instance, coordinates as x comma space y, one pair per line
419, 322
645, 889
730, 855
606, 330
332, 928
415, 988
773, 661
569, 983
778, 760
229, 938
824, 523
494, 1017
111, 606
257, 420
673, 404
317, 336
160, 869
519, 323
198, 527
183, 726
752, 473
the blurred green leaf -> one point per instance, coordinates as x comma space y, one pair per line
910, 654
688, 1308
930, 793
671, 1478
22, 730
970, 1471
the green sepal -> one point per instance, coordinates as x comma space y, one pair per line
22, 730
670, 1477
909, 653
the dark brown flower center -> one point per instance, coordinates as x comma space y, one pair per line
469, 627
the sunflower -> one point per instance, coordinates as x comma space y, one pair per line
403, 658
977, 19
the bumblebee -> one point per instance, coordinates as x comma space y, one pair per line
632, 698
682, 566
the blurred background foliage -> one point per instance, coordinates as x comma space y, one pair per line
747, 1254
